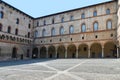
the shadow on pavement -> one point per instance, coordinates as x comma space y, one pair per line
22, 62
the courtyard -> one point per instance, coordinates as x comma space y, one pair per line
61, 69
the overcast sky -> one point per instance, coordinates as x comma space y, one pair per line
38, 8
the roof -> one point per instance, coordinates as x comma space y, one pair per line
16, 9
75, 9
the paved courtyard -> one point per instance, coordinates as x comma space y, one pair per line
61, 69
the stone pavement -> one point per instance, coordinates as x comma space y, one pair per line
61, 69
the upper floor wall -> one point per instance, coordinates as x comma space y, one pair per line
87, 16
14, 21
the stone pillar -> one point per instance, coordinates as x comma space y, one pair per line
46, 52
65, 52
117, 52
76, 52
38, 52
102, 52
89, 55
55, 52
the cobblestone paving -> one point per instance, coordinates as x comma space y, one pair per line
61, 69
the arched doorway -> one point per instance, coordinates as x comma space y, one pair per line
96, 50
51, 52
110, 50
83, 51
61, 51
14, 52
71, 51
43, 52
35, 53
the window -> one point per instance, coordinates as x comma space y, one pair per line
1, 15
36, 34
43, 33
83, 28
9, 29
0, 27
83, 16
62, 20
71, 18
61, 31
44, 22
109, 24
108, 11
53, 21
95, 13
71, 29
96, 26
29, 26
28, 34
53, 32
37, 23
17, 21
16, 31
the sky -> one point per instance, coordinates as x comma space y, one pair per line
39, 8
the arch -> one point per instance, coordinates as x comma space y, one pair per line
83, 51
110, 50
43, 33
61, 30
35, 53
83, 28
71, 29
14, 52
71, 51
0, 27
61, 51
43, 52
51, 52
109, 24
9, 29
96, 50
95, 26
53, 32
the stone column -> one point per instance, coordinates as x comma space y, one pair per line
65, 52
117, 52
56, 52
39, 52
76, 52
89, 55
46, 52
102, 52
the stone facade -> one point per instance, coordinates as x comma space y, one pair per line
88, 32
12, 38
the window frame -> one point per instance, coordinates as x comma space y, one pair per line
71, 29
61, 30
83, 27
94, 26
